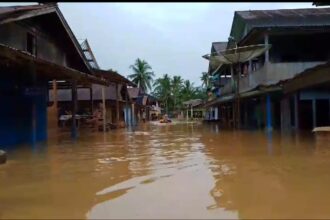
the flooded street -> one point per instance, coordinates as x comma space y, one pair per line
171, 171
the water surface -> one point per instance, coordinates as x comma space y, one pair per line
171, 171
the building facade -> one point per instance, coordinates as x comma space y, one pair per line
299, 41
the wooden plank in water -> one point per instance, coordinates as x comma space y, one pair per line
322, 129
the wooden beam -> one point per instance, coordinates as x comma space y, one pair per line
126, 101
117, 106
104, 109
91, 99
74, 133
314, 112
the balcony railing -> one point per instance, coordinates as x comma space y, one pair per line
270, 73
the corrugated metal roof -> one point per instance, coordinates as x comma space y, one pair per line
47, 69
15, 13
6, 10
219, 46
301, 17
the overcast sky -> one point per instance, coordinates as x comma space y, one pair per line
171, 37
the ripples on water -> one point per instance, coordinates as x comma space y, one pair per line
174, 171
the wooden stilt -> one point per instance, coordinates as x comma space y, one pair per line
91, 99
74, 109
314, 112
117, 106
269, 126
126, 103
103, 109
133, 114
296, 110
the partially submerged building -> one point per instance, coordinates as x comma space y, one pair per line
299, 41
144, 104
36, 46
194, 109
219, 77
117, 102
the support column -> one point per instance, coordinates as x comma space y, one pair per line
74, 133
250, 67
133, 114
117, 106
191, 112
232, 76
329, 110
126, 104
250, 72
285, 114
91, 99
314, 112
246, 115
269, 125
103, 109
296, 111
55, 95
266, 39
34, 120
216, 113
238, 107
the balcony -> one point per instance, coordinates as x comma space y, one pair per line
270, 73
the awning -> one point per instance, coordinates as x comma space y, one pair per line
308, 78
237, 55
193, 102
45, 68
248, 94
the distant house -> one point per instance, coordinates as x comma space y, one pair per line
144, 103
36, 46
195, 109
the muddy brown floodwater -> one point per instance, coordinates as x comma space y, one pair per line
171, 171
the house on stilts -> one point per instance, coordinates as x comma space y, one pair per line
36, 46
118, 105
286, 87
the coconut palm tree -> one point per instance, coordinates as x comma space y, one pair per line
162, 89
205, 79
143, 75
176, 86
188, 90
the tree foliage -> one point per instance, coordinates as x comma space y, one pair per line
173, 91
143, 74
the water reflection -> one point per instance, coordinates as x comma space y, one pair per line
169, 171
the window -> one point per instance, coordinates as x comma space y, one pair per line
31, 44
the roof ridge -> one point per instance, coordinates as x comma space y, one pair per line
286, 9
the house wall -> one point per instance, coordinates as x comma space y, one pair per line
84, 93
15, 34
16, 113
23, 116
